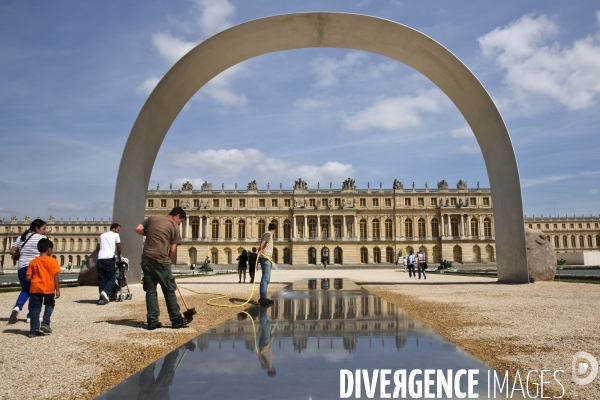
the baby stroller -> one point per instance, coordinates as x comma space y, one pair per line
121, 290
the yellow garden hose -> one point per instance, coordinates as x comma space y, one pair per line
221, 295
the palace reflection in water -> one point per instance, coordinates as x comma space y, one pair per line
296, 348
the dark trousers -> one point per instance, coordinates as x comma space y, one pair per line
107, 270
158, 388
421, 269
35, 308
411, 270
160, 274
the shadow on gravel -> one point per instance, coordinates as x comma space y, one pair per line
86, 301
134, 323
17, 331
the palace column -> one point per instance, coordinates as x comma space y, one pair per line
200, 223
187, 227
356, 226
208, 227
331, 234
295, 222
318, 226
442, 225
305, 231
343, 226
480, 223
462, 225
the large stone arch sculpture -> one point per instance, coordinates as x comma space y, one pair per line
338, 30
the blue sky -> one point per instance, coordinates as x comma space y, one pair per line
74, 75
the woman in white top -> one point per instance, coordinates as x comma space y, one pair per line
26, 244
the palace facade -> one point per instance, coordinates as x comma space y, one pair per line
345, 226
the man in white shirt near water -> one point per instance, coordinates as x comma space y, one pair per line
108, 242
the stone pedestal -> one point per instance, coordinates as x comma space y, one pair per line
541, 257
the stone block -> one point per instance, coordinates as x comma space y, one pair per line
88, 276
541, 257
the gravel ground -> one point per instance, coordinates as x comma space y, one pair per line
510, 327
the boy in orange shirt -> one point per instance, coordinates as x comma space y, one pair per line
43, 274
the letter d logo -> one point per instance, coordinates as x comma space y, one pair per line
580, 368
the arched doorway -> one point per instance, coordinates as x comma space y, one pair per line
193, 255
336, 30
287, 256
457, 254
337, 256
476, 254
214, 256
312, 255
364, 255
325, 255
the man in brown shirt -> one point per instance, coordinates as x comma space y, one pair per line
160, 249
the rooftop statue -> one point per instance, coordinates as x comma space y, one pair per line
443, 185
206, 187
349, 184
398, 185
252, 185
300, 184
461, 185
187, 186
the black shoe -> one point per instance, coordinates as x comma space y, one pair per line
183, 323
152, 327
263, 301
252, 281
45, 328
36, 333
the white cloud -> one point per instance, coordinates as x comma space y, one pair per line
146, 87
593, 191
464, 132
282, 170
396, 113
229, 163
196, 182
222, 163
311, 104
468, 149
171, 48
329, 71
568, 75
215, 15
529, 182
219, 88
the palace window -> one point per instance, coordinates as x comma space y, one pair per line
273, 202
228, 203
195, 229
241, 229
72, 229
150, 203
377, 255
454, 226
564, 241
581, 242
261, 202
363, 229
242, 203
473, 201
530, 226
261, 228
596, 225
421, 227
287, 256
337, 227
337, 202
571, 226
312, 228
408, 229
547, 226
433, 201
435, 228
573, 243
228, 226
487, 227
474, 227
564, 226
176, 203
587, 225
388, 229
287, 229
375, 202
163, 203
389, 255
421, 201
486, 201
555, 226
287, 203
580, 226
216, 203
364, 257
215, 229
196, 203
388, 202
363, 202
452, 201
539, 226
556, 242
312, 202
407, 202
375, 225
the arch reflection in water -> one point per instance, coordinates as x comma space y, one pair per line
297, 347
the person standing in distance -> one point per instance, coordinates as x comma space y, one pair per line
266, 248
160, 250
422, 264
108, 243
252, 264
410, 261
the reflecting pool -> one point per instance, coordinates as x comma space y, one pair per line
296, 348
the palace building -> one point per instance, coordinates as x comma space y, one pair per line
346, 226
